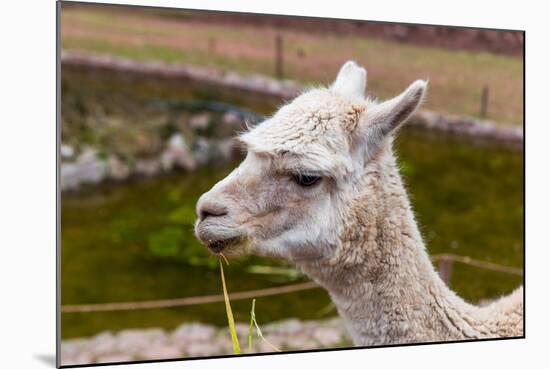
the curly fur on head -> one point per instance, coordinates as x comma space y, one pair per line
320, 188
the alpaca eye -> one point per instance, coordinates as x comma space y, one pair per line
305, 180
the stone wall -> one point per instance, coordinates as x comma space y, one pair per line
186, 151
458, 125
199, 340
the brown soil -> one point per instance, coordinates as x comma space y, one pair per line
507, 42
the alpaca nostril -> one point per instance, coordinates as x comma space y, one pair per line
211, 210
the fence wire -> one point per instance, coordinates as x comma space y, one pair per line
242, 295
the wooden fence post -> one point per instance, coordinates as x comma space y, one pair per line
211, 45
484, 101
279, 56
445, 269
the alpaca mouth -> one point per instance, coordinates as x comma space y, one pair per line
215, 236
218, 246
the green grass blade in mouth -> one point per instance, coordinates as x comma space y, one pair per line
230, 320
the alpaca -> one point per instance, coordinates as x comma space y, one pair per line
320, 188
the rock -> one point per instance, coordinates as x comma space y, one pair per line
300, 342
82, 358
223, 342
93, 172
335, 323
114, 358
91, 168
73, 346
215, 152
167, 161
242, 329
70, 349
118, 170
260, 345
201, 151
193, 332
88, 155
177, 154
177, 142
232, 120
202, 349
199, 122
67, 152
327, 336
148, 167
157, 352
155, 335
69, 176
199, 340
103, 344
285, 327
133, 341
467, 126
88, 168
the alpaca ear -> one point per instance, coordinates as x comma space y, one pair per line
351, 80
384, 118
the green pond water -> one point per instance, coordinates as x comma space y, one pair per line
468, 200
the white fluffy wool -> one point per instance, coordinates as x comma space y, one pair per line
354, 232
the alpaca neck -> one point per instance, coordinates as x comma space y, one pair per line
381, 278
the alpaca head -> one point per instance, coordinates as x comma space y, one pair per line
303, 167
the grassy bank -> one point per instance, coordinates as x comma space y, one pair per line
456, 77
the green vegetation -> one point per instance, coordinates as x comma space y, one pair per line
456, 77
229, 312
254, 323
